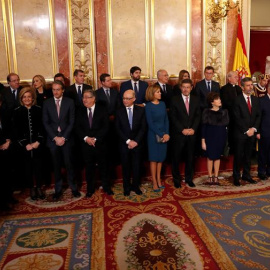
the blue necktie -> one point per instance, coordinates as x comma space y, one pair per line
208, 87
80, 93
130, 116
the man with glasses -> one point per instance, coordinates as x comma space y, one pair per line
131, 127
205, 86
92, 124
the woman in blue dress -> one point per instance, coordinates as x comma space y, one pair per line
158, 133
214, 134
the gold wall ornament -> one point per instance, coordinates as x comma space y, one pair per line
214, 44
218, 9
81, 28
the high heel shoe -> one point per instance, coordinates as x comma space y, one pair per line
209, 181
162, 187
156, 190
215, 182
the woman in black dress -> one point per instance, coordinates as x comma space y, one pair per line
39, 84
214, 134
28, 133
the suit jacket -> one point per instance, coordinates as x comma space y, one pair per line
180, 119
201, 91
65, 120
140, 97
243, 120
100, 124
166, 97
8, 101
114, 103
71, 92
138, 125
5, 127
265, 114
228, 93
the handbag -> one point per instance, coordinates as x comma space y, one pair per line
159, 139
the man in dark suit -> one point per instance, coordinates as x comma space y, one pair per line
206, 86
110, 97
92, 124
11, 93
247, 116
264, 137
136, 84
185, 116
131, 127
58, 120
76, 90
228, 94
165, 88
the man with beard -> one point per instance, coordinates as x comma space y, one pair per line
136, 84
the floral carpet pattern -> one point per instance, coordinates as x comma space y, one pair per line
206, 227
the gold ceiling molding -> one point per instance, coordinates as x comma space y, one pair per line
214, 44
82, 39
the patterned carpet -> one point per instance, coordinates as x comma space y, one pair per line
207, 227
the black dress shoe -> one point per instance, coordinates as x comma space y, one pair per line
137, 191
190, 183
40, 194
76, 194
57, 195
89, 194
249, 179
108, 191
126, 192
236, 182
177, 183
33, 194
262, 176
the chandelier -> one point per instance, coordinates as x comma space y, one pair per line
218, 9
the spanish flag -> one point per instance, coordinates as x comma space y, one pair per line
240, 63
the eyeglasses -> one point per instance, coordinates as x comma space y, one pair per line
126, 98
15, 80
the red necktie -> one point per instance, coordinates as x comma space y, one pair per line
249, 105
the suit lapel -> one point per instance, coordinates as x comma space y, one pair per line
244, 104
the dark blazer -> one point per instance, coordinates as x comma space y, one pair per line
52, 122
8, 101
228, 93
28, 125
6, 126
140, 97
180, 119
265, 116
201, 91
138, 125
114, 103
100, 124
243, 120
166, 97
71, 92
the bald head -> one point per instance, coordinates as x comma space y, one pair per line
232, 77
163, 76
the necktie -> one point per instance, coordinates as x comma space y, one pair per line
58, 112
13, 94
130, 116
208, 86
90, 118
249, 105
108, 94
187, 105
80, 93
164, 88
135, 88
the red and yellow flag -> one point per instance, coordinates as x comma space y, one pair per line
240, 63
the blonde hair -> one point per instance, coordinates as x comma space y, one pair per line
28, 90
150, 91
42, 80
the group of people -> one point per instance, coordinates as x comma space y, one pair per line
68, 124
